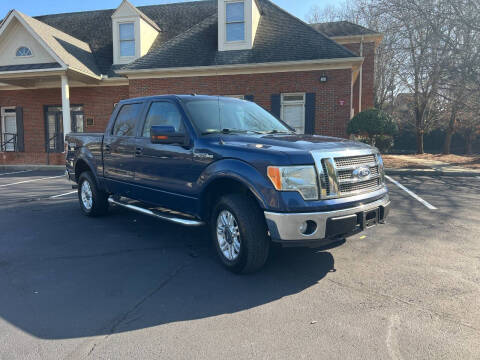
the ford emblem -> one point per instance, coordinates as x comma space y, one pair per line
362, 172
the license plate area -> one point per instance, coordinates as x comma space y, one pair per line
370, 218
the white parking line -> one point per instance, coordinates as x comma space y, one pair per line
412, 194
27, 181
16, 172
68, 193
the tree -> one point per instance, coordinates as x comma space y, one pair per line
372, 124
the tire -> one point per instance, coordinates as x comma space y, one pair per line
93, 201
245, 245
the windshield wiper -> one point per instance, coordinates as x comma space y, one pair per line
278, 132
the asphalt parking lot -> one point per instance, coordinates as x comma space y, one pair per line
129, 286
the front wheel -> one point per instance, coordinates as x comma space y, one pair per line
93, 201
239, 233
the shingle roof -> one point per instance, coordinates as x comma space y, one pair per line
189, 38
342, 28
280, 37
95, 27
75, 53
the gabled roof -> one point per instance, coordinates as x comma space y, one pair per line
95, 27
69, 51
189, 38
280, 37
342, 28
140, 14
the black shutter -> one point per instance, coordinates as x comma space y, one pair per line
249, 98
310, 113
275, 105
20, 130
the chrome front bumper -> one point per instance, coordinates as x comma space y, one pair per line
285, 227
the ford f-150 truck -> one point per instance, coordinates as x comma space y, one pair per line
228, 163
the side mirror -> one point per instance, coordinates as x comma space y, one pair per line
166, 135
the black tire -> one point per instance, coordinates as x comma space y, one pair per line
99, 198
254, 240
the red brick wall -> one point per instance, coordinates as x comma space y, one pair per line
98, 104
330, 117
368, 95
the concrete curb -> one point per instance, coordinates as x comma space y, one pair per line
31, 167
432, 172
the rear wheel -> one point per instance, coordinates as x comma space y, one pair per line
93, 201
239, 233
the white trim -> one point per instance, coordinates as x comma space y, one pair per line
35, 36
257, 68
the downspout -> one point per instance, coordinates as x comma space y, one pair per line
360, 86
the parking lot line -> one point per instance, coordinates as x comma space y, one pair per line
68, 193
16, 172
412, 194
28, 181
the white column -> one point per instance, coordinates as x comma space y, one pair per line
67, 122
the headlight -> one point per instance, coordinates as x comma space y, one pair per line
381, 167
295, 178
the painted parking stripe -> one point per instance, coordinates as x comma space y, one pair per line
68, 193
16, 172
28, 181
412, 194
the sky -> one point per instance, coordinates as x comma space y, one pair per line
41, 7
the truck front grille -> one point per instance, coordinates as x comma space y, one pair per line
340, 176
369, 185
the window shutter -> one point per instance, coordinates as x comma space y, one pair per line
310, 113
275, 105
249, 98
20, 132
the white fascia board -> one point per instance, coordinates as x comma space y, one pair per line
284, 66
40, 40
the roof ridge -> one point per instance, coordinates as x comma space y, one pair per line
113, 9
309, 26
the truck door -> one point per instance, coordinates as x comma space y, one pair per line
162, 171
119, 149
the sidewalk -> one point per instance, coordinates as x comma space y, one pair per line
420, 165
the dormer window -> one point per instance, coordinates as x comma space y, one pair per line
23, 51
235, 16
127, 39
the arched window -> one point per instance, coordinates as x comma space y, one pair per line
24, 51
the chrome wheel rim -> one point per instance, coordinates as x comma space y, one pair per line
228, 235
86, 195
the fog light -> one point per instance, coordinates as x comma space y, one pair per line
308, 227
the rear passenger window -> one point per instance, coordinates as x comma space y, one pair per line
163, 114
126, 119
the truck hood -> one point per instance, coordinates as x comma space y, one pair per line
297, 147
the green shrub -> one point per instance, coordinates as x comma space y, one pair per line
374, 125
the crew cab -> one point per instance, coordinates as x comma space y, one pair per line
229, 164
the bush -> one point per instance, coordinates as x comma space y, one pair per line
376, 126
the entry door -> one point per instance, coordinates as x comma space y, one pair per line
293, 111
9, 129
54, 133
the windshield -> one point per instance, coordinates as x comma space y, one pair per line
232, 115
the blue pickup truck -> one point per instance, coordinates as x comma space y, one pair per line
229, 164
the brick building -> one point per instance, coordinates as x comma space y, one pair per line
65, 72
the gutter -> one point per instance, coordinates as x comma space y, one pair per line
283, 66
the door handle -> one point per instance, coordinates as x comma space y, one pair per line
138, 151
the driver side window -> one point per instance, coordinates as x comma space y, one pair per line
163, 114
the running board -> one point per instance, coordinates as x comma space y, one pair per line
158, 215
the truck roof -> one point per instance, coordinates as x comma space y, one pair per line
172, 97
